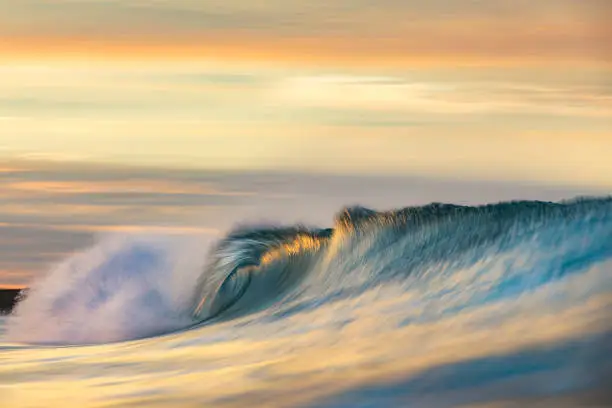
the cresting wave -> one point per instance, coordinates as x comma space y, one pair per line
444, 258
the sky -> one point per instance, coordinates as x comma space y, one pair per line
512, 90
102, 102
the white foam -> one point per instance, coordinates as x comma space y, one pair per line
124, 287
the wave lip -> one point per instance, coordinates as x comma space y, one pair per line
239, 259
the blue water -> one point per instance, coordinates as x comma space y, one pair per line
439, 305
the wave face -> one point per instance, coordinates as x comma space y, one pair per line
399, 290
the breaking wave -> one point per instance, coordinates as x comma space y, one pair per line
440, 260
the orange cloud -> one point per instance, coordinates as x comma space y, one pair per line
10, 286
318, 31
128, 186
153, 229
121, 228
8, 170
407, 49
8, 277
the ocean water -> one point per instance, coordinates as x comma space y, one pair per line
431, 305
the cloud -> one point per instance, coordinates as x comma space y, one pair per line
15, 279
133, 186
119, 228
389, 28
6, 169
460, 97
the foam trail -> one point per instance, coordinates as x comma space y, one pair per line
124, 287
